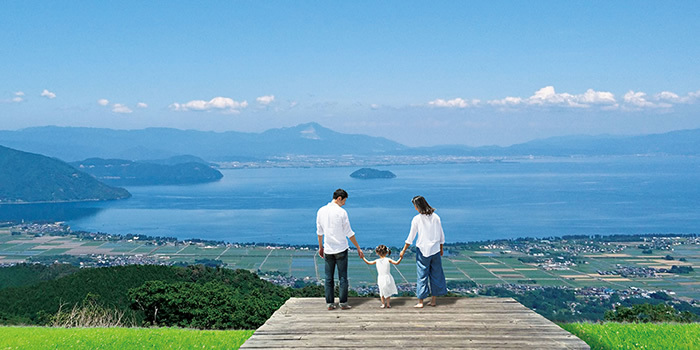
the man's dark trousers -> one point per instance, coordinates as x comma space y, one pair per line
341, 261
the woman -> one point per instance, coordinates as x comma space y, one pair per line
428, 228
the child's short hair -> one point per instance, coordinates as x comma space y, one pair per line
382, 250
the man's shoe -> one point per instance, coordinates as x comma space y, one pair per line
345, 307
331, 307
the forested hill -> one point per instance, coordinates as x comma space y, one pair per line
193, 297
28, 177
122, 172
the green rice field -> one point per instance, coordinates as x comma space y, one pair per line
481, 266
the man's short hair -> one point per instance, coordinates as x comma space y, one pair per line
340, 193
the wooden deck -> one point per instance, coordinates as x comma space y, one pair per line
456, 323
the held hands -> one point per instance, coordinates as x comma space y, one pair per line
360, 253
401, 254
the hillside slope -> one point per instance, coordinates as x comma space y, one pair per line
122, 172
28, 177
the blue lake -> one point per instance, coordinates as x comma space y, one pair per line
476, 201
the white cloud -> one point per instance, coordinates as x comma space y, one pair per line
19, 97
603, 100
667, 96
48, 94
597, 98
265, 100
457, 102
103, 102
453, 103
120, 108
224, 104
508, 101
142, 105
638, 100
672, 97
547, 96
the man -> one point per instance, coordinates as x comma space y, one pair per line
333, 224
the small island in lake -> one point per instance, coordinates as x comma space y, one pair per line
369, 173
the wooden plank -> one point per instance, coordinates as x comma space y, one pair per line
418, 338
457, 323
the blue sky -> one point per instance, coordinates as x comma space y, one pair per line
421, 73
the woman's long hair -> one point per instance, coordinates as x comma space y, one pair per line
422, 205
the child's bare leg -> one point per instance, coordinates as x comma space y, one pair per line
383, 302
388, 302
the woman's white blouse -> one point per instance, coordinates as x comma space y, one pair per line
428, 228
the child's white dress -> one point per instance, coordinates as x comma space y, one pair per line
387, 286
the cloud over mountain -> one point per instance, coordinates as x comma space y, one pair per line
223, 104
549, 97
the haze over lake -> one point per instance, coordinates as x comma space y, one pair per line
476, 201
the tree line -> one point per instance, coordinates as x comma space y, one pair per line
195, 296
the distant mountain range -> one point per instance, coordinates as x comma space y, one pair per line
28, 177
682, 142
72, 144
173, 171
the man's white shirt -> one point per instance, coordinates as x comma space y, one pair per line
333, 223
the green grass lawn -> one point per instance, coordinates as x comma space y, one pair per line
637, 335
119, 338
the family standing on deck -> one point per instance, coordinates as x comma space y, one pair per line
333, 231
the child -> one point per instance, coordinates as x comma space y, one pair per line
387, 286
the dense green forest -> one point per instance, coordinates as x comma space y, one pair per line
194, 296
28, 274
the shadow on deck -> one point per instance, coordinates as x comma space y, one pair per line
456, 323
